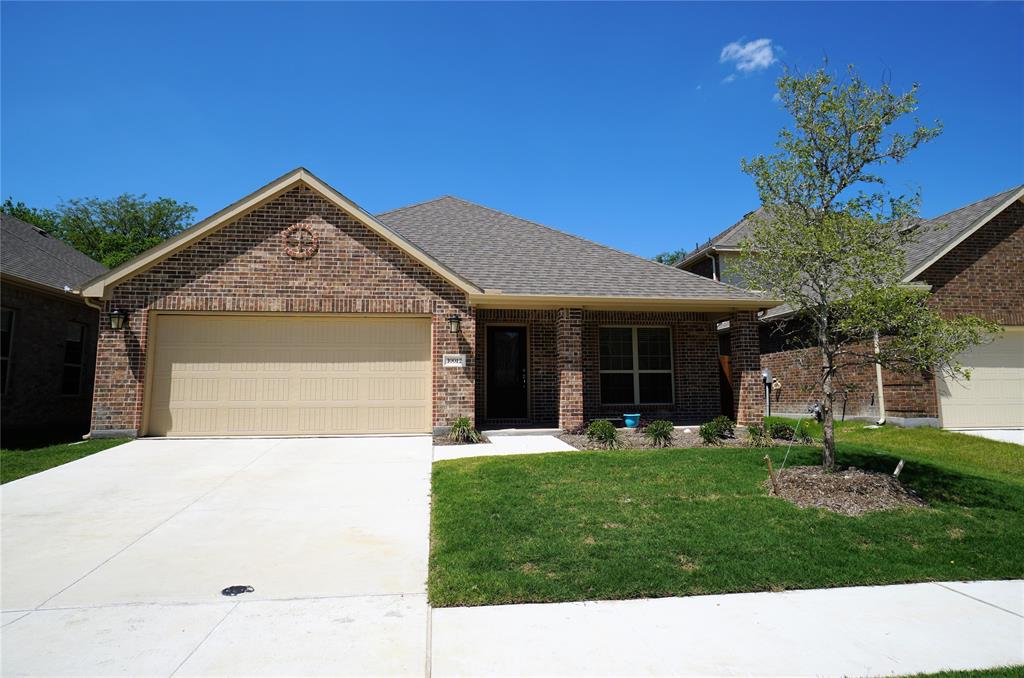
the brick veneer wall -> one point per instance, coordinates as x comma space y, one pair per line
980, 276
542, 365
906, 395
33, 402
243, 268
694, 366
570, 348
745, 365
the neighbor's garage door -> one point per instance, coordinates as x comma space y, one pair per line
994, 395
289, 375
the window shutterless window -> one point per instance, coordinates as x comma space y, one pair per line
636, 365
74, 351
6, 330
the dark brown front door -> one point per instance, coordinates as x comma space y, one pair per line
506, 372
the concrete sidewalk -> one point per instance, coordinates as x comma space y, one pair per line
862, 631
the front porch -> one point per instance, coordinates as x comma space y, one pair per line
560, 368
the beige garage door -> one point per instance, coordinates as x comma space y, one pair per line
289, 375
994, 396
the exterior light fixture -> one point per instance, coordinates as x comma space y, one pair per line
454, 323
117, 319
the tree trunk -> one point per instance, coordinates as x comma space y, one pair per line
828, 454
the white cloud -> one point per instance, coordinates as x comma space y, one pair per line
755, 55
729, 78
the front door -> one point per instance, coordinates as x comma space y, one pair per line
506, 372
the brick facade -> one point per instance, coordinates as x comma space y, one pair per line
694, 366
243, 268
980, 276
745, 365
33, 401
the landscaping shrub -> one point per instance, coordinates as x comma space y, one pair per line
758, 436
787, 429
780, 430
603, 432
462, 431
726, 426
709, 433
659, 433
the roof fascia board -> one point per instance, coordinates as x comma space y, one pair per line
948, 247
99, 287
702, 252
545, 301
18, 281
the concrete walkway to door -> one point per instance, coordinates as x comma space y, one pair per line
114, 564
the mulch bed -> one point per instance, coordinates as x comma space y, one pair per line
443, 440
634, 440
850, 491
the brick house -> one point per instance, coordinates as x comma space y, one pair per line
973, 260
293, 311
48, 340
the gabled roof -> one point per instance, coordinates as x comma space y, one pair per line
99, 286
497, 251
493, 257
936, 236
30, 253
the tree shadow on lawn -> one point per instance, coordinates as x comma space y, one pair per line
937, 485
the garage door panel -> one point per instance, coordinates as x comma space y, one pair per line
257, 375
994, 395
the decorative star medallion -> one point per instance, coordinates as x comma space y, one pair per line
300, 242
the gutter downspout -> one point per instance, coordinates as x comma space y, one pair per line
881, 390
714, 265
99, 308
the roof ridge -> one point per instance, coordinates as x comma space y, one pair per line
597, 244
417, 204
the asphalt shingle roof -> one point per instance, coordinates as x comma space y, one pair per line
30, 253
494, 250
933, 234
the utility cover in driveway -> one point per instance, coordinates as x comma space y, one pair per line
277, 374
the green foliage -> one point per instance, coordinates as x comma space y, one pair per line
603, 432
779, 430
709, 433
629, 524
758, 437
726, 426
462, 431
831, 240
659, 433
18, 463
110, 231
670, 258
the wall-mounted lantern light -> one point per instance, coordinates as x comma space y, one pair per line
117, 319
454, 323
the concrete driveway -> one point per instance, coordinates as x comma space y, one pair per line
114, 564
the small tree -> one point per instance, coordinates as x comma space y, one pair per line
110, 231
831, 240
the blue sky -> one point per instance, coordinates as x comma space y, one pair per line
624, 123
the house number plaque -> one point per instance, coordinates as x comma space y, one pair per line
453, 360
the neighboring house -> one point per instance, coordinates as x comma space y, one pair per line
48, 340
973, 259
294, 311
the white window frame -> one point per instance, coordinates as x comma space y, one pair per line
636, 371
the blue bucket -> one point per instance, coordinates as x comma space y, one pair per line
632, 420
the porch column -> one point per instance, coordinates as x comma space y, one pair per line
569, 330
745, 365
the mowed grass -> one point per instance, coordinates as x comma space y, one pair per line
18, 463
632, 524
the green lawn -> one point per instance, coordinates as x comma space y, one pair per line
1002, 672
610, 525
19, 463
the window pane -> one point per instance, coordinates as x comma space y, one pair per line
617, 388
75, 332
70, 380
656, 388
616, 348
7, 317
654, 349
